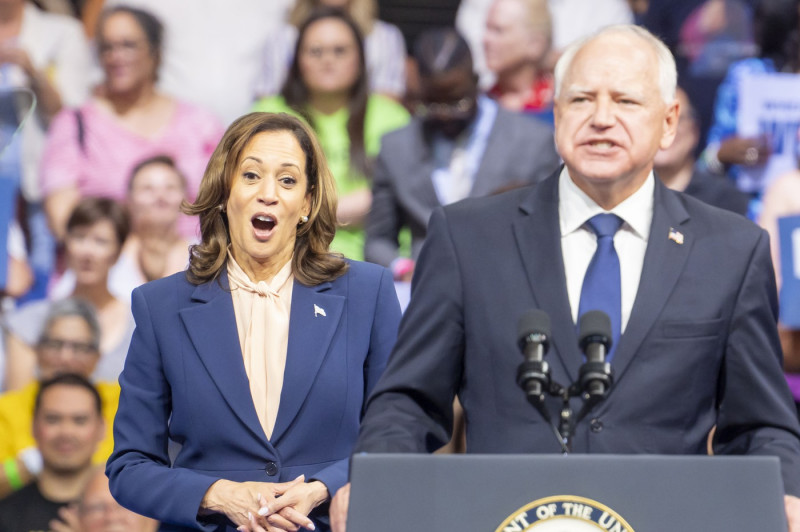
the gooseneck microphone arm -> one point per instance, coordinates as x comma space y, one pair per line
595, 376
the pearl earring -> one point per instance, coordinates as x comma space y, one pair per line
303, 219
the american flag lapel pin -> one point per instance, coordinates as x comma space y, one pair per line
318, 311
675, 236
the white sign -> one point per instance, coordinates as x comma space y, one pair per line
769, 107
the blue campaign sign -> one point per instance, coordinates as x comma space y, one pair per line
789, 235
10, 157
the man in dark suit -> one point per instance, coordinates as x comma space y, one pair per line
459, 145
697, 303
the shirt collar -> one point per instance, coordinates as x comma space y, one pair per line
575, 207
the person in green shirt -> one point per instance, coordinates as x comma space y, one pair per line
327, 86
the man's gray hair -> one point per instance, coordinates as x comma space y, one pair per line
667, 73
73, 306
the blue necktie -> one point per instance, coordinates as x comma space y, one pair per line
601, 284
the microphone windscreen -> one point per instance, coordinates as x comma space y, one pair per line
534, 321
593, 324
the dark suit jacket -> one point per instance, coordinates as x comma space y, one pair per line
701, 347
184, 379
718, 191
519, 151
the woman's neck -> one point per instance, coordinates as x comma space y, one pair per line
97, 295
142, 98
151, 232
328, 104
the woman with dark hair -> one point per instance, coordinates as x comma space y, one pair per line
92, 150
384, 47
327, 86
258, 360
95, 232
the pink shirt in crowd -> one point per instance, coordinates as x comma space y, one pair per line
103, 165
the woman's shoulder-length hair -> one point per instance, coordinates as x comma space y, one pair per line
313, 263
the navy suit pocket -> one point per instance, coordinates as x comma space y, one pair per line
692, 329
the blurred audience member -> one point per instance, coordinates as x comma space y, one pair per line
782, 198
67, 427
91, 151
154, 248
384, 48
47, 54
471, 24
776, 24
96, 231
459, 145
327, 86
517, 39
676, 166
43, 56
706, 37
213, 49
68, 344
99, 512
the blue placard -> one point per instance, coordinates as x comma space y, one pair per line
789, 234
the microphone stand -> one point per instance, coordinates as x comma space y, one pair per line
594, 381
566, 419
594, 378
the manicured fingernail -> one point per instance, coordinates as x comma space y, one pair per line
264, 510
299, 477
241, 529
250, 516
311, 526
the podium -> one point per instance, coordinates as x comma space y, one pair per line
575, 493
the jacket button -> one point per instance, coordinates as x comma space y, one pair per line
596, 425
271, 469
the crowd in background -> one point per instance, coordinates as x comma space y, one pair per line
110, 110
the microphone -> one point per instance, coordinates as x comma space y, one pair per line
594, 333
533, 375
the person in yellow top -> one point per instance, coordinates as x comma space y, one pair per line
69, 344
327, 87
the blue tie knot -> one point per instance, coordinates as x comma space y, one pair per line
605, 224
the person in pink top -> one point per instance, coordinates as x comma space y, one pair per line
91, 150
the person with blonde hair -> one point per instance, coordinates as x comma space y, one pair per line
516, 42
258, 360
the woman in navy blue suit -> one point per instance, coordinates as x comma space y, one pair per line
258, 360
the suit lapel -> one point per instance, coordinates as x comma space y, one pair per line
314, 319
211, 326
538, 236
418, 169
498, 151
664, 261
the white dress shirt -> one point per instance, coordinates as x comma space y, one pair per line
578, 241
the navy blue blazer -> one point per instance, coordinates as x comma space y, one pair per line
700, 349
184, 380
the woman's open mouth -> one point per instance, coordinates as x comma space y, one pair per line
263, 225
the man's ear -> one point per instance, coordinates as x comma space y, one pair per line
671, 118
